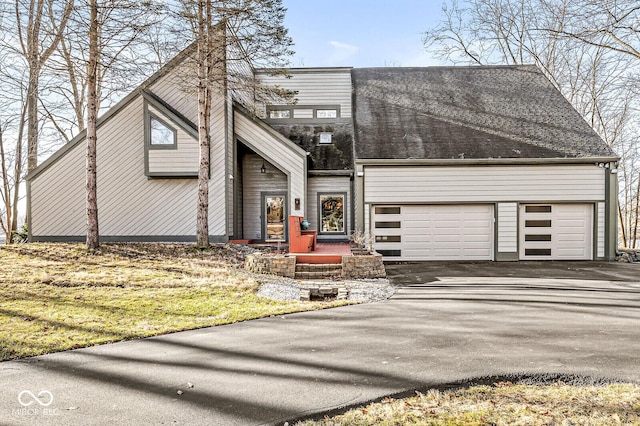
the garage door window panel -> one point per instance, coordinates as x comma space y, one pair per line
390, 253
537, 252
535, 237
387, 210
388, 239
538, 209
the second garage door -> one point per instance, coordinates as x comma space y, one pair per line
556, 231
434, 232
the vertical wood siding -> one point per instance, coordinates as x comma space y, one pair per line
328, 184
278, 151
507, 227
483, 184
324, 87
254, 183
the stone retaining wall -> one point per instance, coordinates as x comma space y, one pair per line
353, 267
284, 266
628, 255
363, 267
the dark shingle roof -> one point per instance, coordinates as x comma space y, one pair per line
467, 112
337, 155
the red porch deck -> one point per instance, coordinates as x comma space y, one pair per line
325, 253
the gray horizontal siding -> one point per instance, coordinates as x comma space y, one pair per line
183, 159
317, 88
240, 75
129, 203
278, 151
179, 89
483, 184
218, 173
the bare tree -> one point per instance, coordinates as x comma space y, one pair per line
37, 43
610, 24
29, 32
127, 53
11, 165
112, 26
93, 234
256, 28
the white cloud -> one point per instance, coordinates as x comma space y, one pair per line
341, 53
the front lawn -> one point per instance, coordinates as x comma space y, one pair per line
55, 297
503, 404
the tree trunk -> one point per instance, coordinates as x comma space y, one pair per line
636, 211
204, 111
622, 226
17, 171
32, 118
6, 193
93, 236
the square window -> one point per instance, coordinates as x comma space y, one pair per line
332, 213
326, 137
161, 133
280, 113
326, 113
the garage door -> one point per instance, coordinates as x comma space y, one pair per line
434, 232
556, 231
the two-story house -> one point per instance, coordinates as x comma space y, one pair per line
438, 163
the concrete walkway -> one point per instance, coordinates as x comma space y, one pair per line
270, 370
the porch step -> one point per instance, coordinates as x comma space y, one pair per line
318, 270
319, 258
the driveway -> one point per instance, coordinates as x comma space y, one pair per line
454, 322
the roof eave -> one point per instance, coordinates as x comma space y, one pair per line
483, 161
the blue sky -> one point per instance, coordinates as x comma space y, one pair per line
360, 33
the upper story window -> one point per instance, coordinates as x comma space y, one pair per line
326, 113
280, 113
303, 113
161, 134
326, 137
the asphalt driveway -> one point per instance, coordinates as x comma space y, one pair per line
454, 322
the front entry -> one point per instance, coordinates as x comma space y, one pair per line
274, 215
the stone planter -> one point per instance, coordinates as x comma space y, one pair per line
363, 267
284, 266
360, 251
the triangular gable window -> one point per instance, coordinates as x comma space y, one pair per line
161, 134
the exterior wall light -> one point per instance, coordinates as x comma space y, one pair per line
263, 169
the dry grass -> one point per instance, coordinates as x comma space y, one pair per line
504, 404
55, 297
